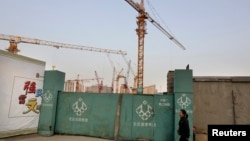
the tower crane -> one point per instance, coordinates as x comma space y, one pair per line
117, 80
113, 79
128, 63
15, 40
99, 84
141, 31
114, 72
126, 78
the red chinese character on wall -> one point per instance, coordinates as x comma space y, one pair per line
22, 99
29, 87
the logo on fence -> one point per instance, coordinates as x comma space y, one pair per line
184, 101
144, 110
79, 107
47, 96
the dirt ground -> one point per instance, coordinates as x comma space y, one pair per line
37, 137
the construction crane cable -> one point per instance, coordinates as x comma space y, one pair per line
157, 25
156, 14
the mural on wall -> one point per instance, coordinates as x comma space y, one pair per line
20, 93
25, 97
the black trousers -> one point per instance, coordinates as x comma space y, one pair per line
183, 138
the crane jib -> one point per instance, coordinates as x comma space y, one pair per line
18, 39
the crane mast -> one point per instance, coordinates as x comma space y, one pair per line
14, 40
141, 31
113, 79
117, 80
127, 77
99, 84
114, 72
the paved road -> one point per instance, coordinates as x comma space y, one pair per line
37, 137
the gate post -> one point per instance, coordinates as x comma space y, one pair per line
183, 99
53, 83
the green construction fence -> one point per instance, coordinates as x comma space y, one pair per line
114, 116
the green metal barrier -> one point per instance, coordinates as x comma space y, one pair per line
183, 98
115, 116
90, 114
53, 83
146, 117
164, 107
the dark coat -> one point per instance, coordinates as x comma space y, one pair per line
184, 130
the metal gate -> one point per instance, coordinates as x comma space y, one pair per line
146, 117
86, 114
141, 116
114, 116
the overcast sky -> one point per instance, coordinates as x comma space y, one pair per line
216, 34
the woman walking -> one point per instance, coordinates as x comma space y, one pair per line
184, 130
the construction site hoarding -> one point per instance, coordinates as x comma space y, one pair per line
183, 98
115, 116
146, 117
21, 88
90, 114
53, 83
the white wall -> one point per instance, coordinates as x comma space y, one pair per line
19, 115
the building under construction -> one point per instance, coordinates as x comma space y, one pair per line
78, 86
